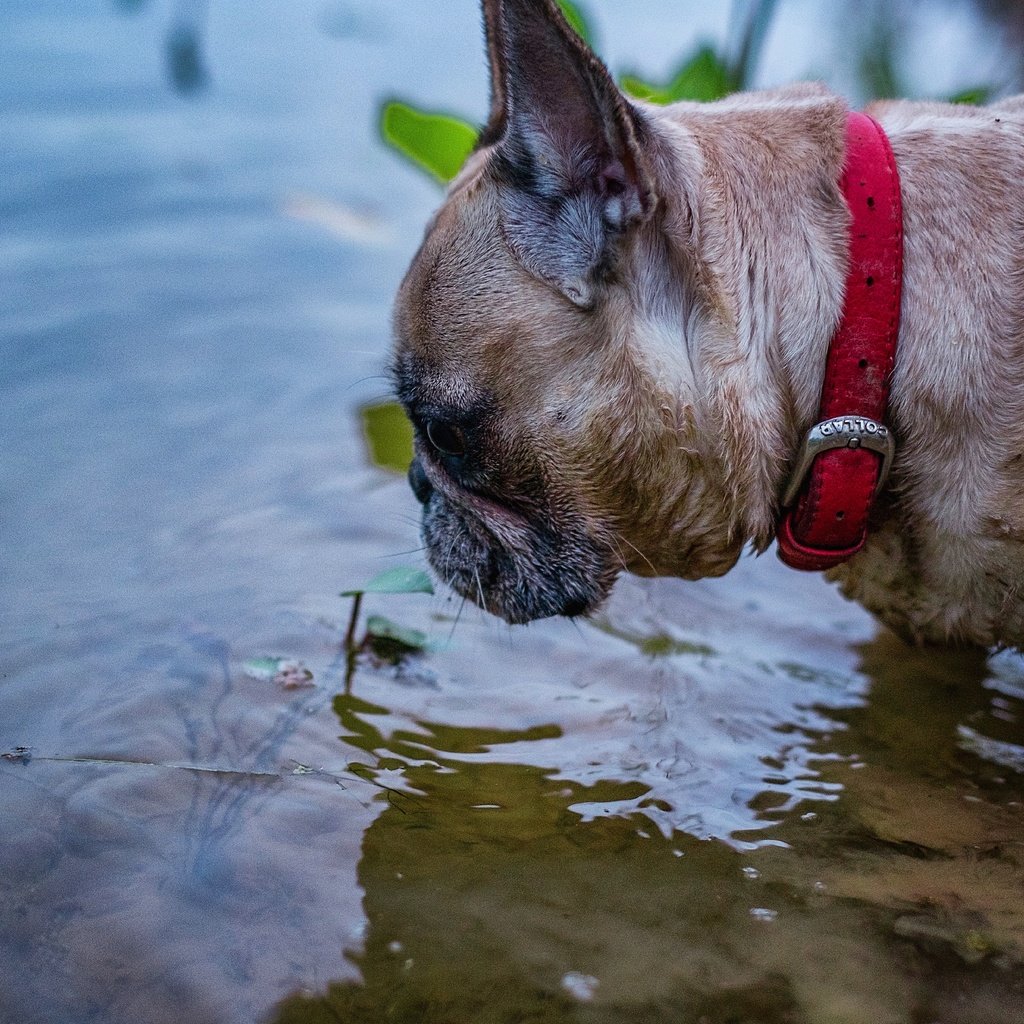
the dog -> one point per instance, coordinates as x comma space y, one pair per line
612, 341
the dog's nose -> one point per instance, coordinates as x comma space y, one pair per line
418, 481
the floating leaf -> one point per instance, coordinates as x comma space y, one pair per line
438, 143
402, 579
703, 77
380, 628
391, 642
388, 435
577, 19
261, 669
285, 672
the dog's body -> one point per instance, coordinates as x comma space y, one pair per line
613, 338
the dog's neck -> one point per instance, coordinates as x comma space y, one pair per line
766, 261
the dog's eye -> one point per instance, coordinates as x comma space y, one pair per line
447, 439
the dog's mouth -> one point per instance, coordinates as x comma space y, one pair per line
518, 566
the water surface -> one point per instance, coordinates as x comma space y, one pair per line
726, 801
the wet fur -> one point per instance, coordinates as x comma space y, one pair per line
626, 309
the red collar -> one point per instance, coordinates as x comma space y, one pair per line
846, 455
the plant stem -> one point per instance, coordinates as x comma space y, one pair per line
350, 635
751, 41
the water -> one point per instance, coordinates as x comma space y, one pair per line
726, 801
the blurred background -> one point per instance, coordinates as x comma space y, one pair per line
703, 804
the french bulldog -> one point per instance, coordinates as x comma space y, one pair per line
612, 341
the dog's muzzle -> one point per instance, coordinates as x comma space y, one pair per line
550, 572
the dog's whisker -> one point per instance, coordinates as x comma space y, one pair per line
363, 380
448, 557
479, 587
612, 543
409, 520
458, 618
628, 542
410, 551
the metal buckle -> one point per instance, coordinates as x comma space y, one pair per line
841, 432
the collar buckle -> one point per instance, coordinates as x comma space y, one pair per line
841, 432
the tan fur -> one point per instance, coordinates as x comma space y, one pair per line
657, 425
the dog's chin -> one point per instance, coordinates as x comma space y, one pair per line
538, 573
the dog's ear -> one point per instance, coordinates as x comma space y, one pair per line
494, 36
569, 156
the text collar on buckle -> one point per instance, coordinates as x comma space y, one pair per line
844, 460
841, 432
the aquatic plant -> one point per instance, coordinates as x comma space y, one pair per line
439, 143
400, 579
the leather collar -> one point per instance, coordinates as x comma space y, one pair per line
845, 456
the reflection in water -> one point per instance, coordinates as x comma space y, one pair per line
488, 898
185, 66
183, 44
183, 49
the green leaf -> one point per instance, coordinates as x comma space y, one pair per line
703, 77
578, 20
388, 435
402, 579
642, 90
262, 669
973, 97
380, 628
436, 142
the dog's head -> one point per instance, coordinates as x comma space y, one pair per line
543, 344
